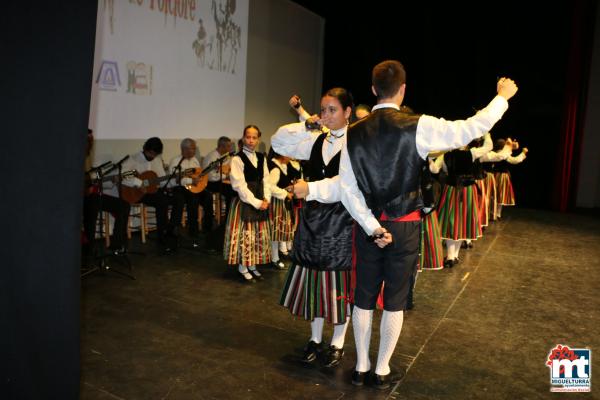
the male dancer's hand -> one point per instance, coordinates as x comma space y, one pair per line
506, 88
299, 188
383, 237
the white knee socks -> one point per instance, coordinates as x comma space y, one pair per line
275, 251
316, 329
389, 332
339, 334
283, 247
362, 321
452, 247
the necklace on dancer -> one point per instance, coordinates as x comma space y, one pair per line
330, 134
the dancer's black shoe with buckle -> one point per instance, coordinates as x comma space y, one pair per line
311, 351
380, 382
333, 356
359, 378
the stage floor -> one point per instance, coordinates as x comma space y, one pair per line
187, 328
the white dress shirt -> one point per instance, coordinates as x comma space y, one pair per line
238, 181
295, 141
274, 177
496, 156
433, 134
516, 160
138, 162
214, 176
476, 153
185, 164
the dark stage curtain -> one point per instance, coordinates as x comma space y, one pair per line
578, 71
47, 57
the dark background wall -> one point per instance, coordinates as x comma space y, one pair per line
47, 52
453, 54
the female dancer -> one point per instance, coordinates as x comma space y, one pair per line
317, 286
281, 211
247, 232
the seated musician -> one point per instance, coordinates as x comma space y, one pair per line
95, 200
182, 195
218, 181
148, 160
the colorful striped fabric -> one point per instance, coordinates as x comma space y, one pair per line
246, 243
432, 254
282, 229
492, 201
458, 214
504, 188
309, 293
483, 209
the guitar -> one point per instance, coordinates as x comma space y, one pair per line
91, 185
150, 184
201, 176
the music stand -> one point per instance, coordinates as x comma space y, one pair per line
101, 255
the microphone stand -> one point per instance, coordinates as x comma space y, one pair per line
177, 168
220, 161
103, 255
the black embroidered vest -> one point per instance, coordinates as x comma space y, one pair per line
284, 179
383, 152
460, 168
317, 169
254, 179
323, 239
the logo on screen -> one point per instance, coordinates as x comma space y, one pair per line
108, 77
570, 369
139, 78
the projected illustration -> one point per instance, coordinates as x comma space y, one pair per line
139, 78
219, 50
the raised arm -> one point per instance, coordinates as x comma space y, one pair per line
478, 152
294, 141
518, 159
296, 104
438, 134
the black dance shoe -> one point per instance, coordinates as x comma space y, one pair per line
311, 351
448, 263
380, 382
278, 264
247, 277
333, 356
256, 274
359, 378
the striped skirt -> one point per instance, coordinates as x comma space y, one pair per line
492, 201
282, 229
432, 254
504, 189
457, 212
311, 294
246, 243
484, 207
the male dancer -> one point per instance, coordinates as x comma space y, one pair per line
379, 185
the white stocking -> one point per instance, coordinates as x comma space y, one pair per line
389, 332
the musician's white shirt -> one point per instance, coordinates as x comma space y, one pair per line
213, 176
185, 164
138, 162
